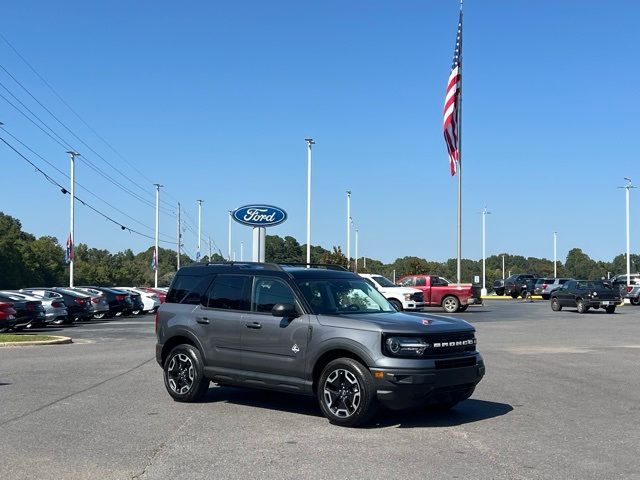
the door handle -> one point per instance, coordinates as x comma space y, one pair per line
254, 325
203, 320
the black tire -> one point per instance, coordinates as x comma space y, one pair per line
524, 294
463, 308
347, 383
99, 316
635, 301
184, 374
514, 295
450, 304
545, 297
136, 312
611, 309
555, 305
396, 304
582, 308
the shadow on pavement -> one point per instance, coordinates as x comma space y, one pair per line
468, 411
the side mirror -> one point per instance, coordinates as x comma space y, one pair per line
284, 310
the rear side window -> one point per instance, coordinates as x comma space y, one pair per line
229, 292
421, 282
187, 289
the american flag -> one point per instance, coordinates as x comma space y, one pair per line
68, 253
154, 260
452, 104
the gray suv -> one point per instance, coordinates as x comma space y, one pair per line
312, 330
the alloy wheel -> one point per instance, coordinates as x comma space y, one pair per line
342, 393
180, 374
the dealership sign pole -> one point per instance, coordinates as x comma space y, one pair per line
259, 217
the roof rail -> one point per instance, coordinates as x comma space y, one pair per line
266, 266
327, 266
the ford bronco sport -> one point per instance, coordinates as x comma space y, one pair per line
312, 330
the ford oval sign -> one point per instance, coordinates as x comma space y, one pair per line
259, 215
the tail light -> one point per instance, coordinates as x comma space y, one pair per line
79, 301
544, 285
31, 306
95, 299
629, 288
56, 304
120, 298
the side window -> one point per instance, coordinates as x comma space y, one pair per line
187, 289
408, 282
267, 292
228, 292
370, 283
421, 282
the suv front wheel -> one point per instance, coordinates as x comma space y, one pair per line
184, 374
346, 393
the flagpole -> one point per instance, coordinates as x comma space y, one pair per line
459, 125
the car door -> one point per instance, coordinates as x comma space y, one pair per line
562, 294
274, 347
218, 317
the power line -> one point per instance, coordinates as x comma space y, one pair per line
64, 191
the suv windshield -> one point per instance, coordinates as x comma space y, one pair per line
383, 281
342, 296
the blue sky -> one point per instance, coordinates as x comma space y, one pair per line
214, 100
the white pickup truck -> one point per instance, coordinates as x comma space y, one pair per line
403, 298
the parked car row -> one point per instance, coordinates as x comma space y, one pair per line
41, 306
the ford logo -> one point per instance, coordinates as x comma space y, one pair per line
259, 215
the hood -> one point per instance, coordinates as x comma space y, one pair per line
398, 322
400, 290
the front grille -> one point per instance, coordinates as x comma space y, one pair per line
442, 344
455, 363
417, 297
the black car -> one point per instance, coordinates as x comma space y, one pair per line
78, 305
514, 284
498, 287
120, 302
29, 313
585, 294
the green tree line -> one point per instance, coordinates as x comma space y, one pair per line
29, 261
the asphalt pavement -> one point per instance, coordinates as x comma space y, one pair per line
561, 399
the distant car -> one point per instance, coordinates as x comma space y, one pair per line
150, 300
550, 285
439, 291
585, 294
99, 304
29, 313
162, 294
402, 298
7, 316
498, 286
627, 291
78, 304
120, 302
55, 311
513, 284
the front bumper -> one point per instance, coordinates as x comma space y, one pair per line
411, 305
406, 388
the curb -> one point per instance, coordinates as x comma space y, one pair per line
57, 340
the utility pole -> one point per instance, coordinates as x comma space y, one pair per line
627, 188
309, 143
155, 252
71, 243
179, 239
555, 254
484, 212
229, 250
503, 277
356, 265
198, 254
349, 229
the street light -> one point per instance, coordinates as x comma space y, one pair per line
309, 143
484, 213
627, 188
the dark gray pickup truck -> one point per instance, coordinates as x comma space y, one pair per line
313, 330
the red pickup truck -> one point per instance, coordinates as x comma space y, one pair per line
439, 291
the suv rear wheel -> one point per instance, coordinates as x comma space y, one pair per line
555, 305
184, 374
346, 393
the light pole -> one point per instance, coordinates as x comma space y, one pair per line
229, 239
349, 229
627, 188
555, 254
199, 230
503, 267
484, 212
72, 223
178, 239
356, 264
309, 143
242, 251
155, 251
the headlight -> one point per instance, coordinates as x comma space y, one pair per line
406, 346
407, 296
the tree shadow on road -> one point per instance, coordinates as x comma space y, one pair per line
469, 411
